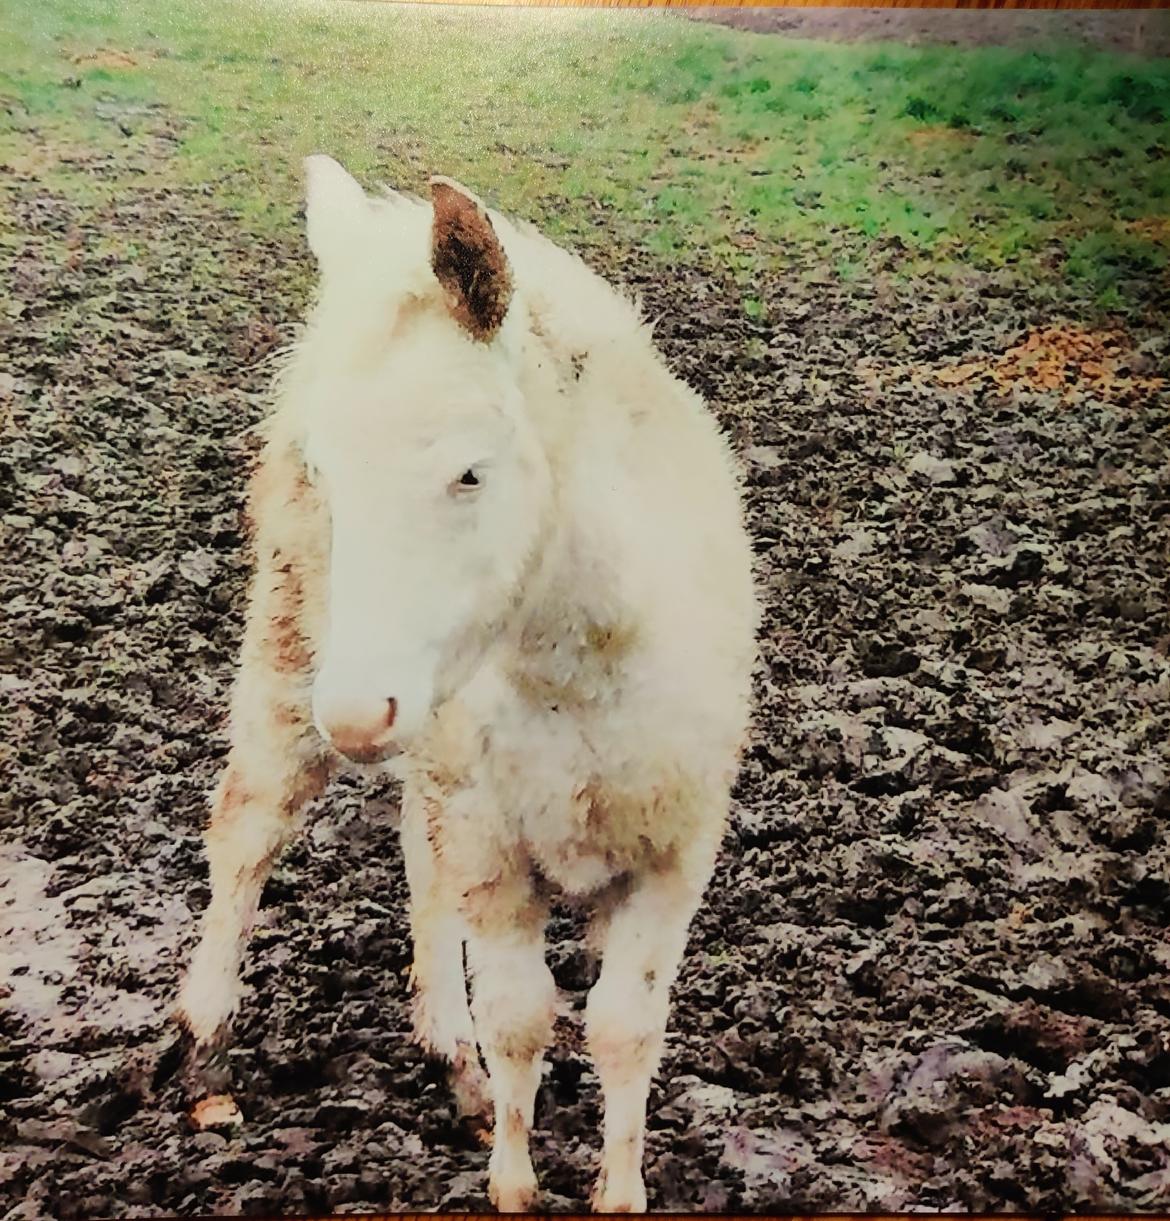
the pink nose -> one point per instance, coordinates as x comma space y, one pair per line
360, 730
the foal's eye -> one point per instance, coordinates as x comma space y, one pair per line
466, 482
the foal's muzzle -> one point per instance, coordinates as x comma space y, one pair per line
360, 729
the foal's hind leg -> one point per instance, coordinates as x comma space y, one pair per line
442, 1017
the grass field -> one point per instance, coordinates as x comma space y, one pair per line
712, 143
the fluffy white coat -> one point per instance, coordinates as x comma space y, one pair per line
500, 546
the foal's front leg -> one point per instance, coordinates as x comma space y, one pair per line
274, 768
276, 761
513, 1000
626, 1016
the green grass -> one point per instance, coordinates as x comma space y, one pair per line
694, 140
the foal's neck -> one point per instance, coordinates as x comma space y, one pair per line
575, 627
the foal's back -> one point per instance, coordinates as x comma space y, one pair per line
652, 489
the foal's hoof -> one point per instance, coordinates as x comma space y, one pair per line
204, 1078
513, 1197
621, 1197
202, 1068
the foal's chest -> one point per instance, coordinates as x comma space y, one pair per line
567, 792
581, 809
546, 780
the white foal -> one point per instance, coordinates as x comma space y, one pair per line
499, 548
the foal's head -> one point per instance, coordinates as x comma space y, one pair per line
417, 439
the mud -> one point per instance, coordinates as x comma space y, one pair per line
1136, 32
932, 971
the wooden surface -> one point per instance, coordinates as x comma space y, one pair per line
771, 1216
948, 4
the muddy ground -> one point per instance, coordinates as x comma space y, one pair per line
933, 970
1139, 31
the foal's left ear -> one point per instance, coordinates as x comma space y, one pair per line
334, 207
468, 260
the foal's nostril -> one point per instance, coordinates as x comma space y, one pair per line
391, 712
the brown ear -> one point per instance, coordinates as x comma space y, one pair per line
468, 260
